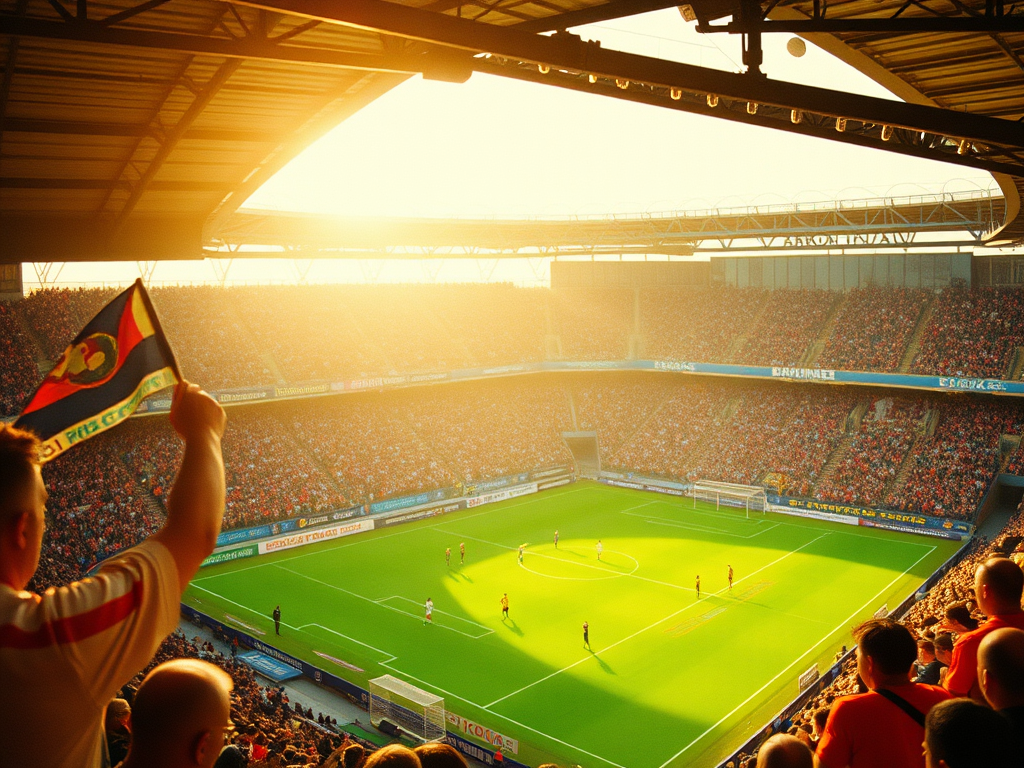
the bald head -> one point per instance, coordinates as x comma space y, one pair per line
180, 715
784, 751
1001, 668
998, 585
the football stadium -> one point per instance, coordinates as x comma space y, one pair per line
722, 486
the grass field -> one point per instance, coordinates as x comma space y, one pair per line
672, 680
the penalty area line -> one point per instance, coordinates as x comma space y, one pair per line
499, 715
796, 661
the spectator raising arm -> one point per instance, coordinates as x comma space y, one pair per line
195, 506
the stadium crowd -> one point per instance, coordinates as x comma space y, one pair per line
873, 328
875, 454
19, 375
973, 332
240, 337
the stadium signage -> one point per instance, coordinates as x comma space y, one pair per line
672, 365
880, 518
976, 385
406, 501
377, 382
229, 555
311, 537
554, 483
504, 743
242, 397
815, 374
510, 493
843, 239
309, 389
421, 514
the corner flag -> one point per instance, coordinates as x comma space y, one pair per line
118, 359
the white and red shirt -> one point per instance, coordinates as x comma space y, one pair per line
64, 654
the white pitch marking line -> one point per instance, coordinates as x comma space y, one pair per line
382, 604
659, 621
796, 661
503, 717
352, 541
382, 652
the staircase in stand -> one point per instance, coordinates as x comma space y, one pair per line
818, 345
38, 356
914, 346
853, 422
738, 342
1015, 370
925, 429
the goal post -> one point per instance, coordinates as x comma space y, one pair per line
416, 713
747, 497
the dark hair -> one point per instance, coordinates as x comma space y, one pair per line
890, 645
966, 734
959, 613
927, 646
943, 641
393, 756
436, 755
1004, 579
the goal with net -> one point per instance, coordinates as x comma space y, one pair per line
415, 712
748, 497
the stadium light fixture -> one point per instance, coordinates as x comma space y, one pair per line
592, 79
543, 68
712, 100
751, 107
886, 132
964, 147
623, 84
676, 94
796, 117
841, 124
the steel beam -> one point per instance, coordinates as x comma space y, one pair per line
570, 53
894, 26
244, 48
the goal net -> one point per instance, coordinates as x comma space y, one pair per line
415, 712
747, 497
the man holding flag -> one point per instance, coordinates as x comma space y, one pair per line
68, 651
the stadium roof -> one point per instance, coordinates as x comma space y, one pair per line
133, 130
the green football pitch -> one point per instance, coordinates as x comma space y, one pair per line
670, 679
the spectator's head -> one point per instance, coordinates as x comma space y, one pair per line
393, 756
436, 755
1001, 668
819, 720
925, 651
181, 715
22, 506
784, 751
960, 733
958, 618
885, 652
998, 584
944, 648
117, 717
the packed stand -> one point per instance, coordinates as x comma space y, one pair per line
208, 338
778, 435
482, 431
953, 468
663, 444
95, 509
372, 452
57, 315
616, 409
789, 325
19, 375
873, 329
875, 454
973, 332
697, 324
593, 323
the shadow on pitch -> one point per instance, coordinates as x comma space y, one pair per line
510, 624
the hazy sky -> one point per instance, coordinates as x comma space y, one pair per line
494, 146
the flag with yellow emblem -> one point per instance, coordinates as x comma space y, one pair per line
118, 359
